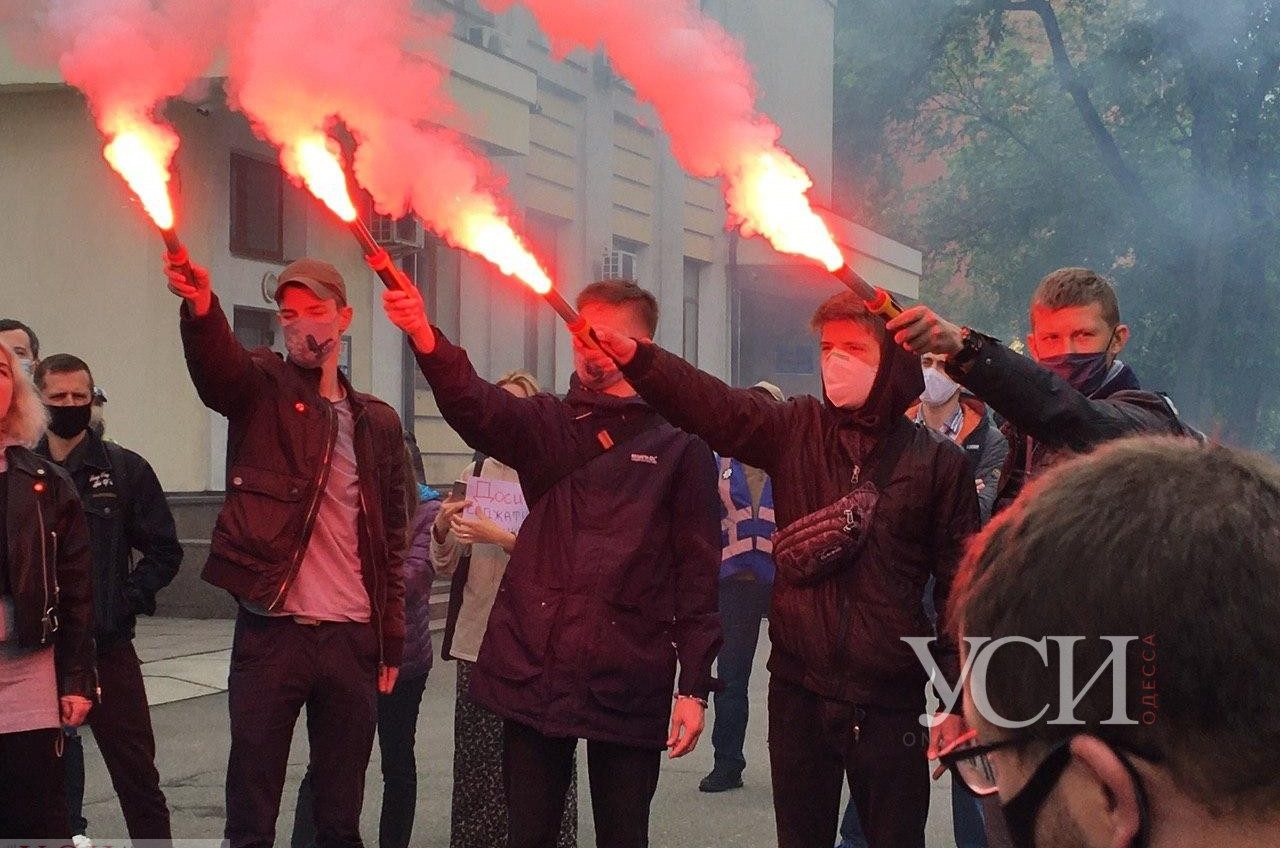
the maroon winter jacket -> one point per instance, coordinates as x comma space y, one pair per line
280, 439
841, 637
614, 575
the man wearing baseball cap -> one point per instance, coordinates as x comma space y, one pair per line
309, 541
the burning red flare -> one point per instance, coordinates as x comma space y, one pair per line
315, 159
142, 152
768, 192
697, 79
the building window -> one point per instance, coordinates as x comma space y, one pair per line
692, 298
257, 208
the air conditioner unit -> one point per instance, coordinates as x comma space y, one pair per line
619, 265
396, 233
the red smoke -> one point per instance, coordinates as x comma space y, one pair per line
301, 67
696, 77
127, 57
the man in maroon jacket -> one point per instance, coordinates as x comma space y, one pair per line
846, 692
611, 583
310, 542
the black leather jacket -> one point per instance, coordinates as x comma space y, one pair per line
49, 569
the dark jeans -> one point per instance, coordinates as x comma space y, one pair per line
121, 725
536, 774
743, 604
277, 667
397, 726
816, 743
33, 805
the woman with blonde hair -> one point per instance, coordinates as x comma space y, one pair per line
475, 550
47, 678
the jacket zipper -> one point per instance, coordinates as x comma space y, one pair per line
376, 602
47, 626
322, 477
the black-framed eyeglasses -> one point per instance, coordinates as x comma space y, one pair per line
970, 764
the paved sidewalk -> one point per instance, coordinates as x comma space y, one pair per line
185, 665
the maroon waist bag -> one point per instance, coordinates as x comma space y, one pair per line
830, 540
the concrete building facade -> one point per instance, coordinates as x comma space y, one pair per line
590, 173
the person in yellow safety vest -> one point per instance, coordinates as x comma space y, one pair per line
746, 582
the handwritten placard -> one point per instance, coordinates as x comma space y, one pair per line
499, 500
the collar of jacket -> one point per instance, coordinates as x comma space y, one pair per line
23, 459
581, 397
94, 451
311, 376
1120, 378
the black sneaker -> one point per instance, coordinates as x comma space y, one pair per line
721, 780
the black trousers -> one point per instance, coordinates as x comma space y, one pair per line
33, 805
816, 743
536, 772
397, 728
277, 667
121, 725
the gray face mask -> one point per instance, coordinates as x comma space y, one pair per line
28, 367
310, 341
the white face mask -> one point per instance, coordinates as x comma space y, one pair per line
938, 387
847, 379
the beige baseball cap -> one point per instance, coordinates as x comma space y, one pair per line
321, 278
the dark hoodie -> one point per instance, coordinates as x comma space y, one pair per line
841, 638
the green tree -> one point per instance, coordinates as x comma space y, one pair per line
1137, 137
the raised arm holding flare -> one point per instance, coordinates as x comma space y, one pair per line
899, 501
610, 594
1072, 394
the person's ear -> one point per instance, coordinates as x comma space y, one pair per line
1119, 339
1103, 794
345, 314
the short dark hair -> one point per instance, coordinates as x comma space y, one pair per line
1168, 540
7, 324
847, 306
1077, 287
624, 293
60, 363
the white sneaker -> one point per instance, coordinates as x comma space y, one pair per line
81, 841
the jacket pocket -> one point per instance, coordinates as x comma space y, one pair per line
515, 643
631, 663
261, 519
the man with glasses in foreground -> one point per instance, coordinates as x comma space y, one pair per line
1122, 632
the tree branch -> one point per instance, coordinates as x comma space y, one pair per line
1070, 80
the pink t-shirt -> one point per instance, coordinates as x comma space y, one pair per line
28, 681
329, 585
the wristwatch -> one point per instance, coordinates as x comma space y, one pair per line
971, 344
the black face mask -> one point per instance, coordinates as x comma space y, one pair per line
67, 422
1022, 810
1086, 372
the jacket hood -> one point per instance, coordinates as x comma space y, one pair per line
899, 383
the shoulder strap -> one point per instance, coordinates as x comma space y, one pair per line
606, 439
479, 459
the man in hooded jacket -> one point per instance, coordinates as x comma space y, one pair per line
846, 692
